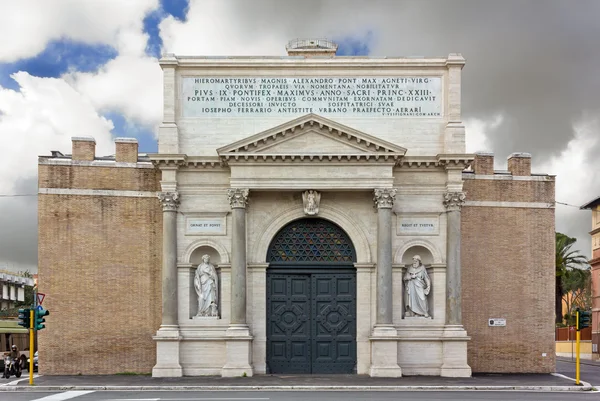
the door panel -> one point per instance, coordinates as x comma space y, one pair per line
311, 324
288, 323
334, 329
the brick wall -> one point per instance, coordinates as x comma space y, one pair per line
100, 268
508, 272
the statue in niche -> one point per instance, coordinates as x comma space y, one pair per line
311, 201
206, 284
417, 286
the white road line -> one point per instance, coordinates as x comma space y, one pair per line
63, 396
184, 399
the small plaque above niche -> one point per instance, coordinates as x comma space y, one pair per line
418, 224
206, 224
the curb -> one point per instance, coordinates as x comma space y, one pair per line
584, 387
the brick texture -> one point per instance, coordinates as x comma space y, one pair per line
84, 150
508, 272
519, 165
100, 268
126, 152
483, 164
94, 177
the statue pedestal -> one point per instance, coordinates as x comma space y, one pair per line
205, 318
454, 353
167, 352
238, 352
384, 352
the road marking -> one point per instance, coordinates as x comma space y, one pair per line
15, 382
63, 396
182, 399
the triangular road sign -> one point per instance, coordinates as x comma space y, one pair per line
40, 298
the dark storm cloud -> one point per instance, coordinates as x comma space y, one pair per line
18, 235
533, 62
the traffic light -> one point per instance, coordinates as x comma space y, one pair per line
24, 320
39, 320
585, 319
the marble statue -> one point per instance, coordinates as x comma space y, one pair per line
311, 201
417, 286
206, 284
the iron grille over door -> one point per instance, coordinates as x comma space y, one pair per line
311, 240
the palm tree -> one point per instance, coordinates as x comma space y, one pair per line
566, 260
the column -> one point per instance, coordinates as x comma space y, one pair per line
454, 343
238, 339
453, 202
167, 338
238, 198
384, 343
384, 200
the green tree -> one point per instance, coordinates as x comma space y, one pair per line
577, 288
567, 260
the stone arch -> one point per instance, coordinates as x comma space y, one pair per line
354, 231
418, 246
195, 250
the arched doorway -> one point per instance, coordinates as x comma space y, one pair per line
311, 299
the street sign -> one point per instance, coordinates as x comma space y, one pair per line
40, 298
497, 322
39, 307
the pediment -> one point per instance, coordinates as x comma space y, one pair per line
312, 136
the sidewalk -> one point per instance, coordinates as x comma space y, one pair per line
529, 382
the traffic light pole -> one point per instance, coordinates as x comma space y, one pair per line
578, 336
31, 334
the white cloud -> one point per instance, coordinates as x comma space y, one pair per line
131, 85
576, 178
478, 130
43, 116
28, 25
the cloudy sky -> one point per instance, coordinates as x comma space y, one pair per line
89, 68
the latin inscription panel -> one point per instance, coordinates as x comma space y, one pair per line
418, 224
408, 96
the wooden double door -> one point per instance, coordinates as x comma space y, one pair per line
311, 320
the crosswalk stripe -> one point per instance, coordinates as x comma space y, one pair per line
63, 396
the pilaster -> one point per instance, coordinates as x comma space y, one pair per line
168, 337
384, 345
238, 338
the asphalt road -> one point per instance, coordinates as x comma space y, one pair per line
588, 373
294, 396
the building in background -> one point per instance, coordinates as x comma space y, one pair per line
304, 214
594, 206
12, 289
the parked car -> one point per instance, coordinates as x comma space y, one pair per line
35, 362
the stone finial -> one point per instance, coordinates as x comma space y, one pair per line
454, 200
169, 201
238, 197
311, 200
384, 197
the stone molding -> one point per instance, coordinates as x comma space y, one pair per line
384, 197
363, 147
167, 160
238, 197
453, 201
169, 201
96, 192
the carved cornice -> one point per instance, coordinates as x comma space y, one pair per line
311, 157
204, 162
323, 126
420, 162
384, 197
238, 197
455, 161
166, 160
169, 201
454, 200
